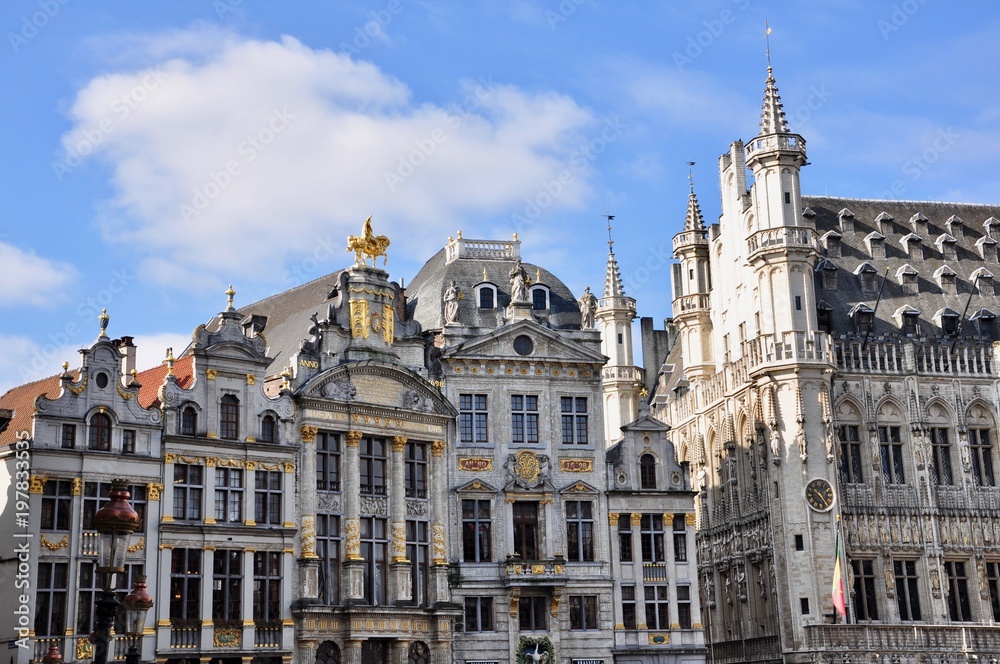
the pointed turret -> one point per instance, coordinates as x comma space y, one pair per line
692, 284
694, 221
622, 380
772, 114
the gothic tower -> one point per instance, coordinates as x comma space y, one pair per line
692, 284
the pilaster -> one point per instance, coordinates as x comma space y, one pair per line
400, 581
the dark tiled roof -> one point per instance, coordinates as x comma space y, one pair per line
932, 226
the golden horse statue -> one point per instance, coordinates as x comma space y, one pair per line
368, 245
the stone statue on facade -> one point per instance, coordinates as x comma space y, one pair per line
588, 308
451, 304
518, 283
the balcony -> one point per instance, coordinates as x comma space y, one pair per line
787, 142
904, 639
654, 572
797, 347
690, 237
517, 572
780, 240
267, 634
696, 302
633, 374
185, 634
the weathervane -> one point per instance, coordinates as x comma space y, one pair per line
610, 217
767, 41
691, 175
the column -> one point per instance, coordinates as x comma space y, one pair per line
354, 564
352, 651
246, 597
640, 606
162, 591
208, 484
399, 652
400, 581
438, 584
207, 566
306, 652
167, 513
308, 560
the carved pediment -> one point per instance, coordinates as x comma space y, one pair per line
378, 384
477, 486
499, 345
578, 487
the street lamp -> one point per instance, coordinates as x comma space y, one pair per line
114, 523
137, 603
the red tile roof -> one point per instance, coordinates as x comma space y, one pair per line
152, 379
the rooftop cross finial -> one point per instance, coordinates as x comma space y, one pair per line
611, 243
767, 43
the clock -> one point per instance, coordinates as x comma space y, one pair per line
819, 495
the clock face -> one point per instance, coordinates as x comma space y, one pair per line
819, 495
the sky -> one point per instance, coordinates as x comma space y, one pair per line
158, 152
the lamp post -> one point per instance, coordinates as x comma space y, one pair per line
115, 523
137, 603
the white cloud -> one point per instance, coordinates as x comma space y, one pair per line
314, 142
24, 360
30, 279
151, 348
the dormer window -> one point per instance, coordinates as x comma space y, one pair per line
824, 317
486, 296
883, 222
863, 317
846, 219
876, 245
828, 275
946, 245
539, 298
991, 225
913, 245
918, 223
987, 247
831, 240
956, 226
907, 278
983, 279
907, 317
946, 279
866, 276
985, 321
948, 320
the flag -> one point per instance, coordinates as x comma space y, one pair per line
838, 583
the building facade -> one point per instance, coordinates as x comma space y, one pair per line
840, 388
353, 472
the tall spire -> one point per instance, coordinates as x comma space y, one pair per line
612, 277
772, 116
694, 221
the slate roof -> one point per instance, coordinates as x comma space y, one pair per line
426, 292
932, 223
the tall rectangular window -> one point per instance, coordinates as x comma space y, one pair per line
891, 451
327, 462
472, 418
373, 465
227, 587
981, 451
128, 441
229, 417
267, 497
583, 612
907, 595
416, 470
531, 611
524, 418
68, 436
851, 463
993, 584
478, 614
574, 420
684, 607
657, 605
680, 538
959, 608
267, 587
625, 538
50, 599
375, 551
940, 457
651, 534
418, 551
228, 495
865, 604
328, 551
57, 505
579, 531
476, 525
628, 608
188, 486
526, 529
185, 586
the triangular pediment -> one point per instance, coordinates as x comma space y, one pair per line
377, 384
477, 486
646, 423
578, 487
546, 346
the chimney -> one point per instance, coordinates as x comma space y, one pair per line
127, 349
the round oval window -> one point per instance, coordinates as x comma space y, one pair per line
523, 345
102, 380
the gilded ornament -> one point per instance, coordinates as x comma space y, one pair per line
636, 518
227, 637
138, 546
437, 448
84, 649
55, 546
368, 245
399, 542
251, 379
360, 319
353, 544
398, 443
309, 536
289, 467
353, 438
308, 434
437, 539
388, 323
121, 392
211, 374
526, 465
612, 518
36, 483
153, 491
79, 388
77, 486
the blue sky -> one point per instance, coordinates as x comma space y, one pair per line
158, 152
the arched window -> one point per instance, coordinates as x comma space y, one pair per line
189, 421
100, 432
487, 297
229, 417
328, 653
268, 429
647, 471
540, 298
419, 653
